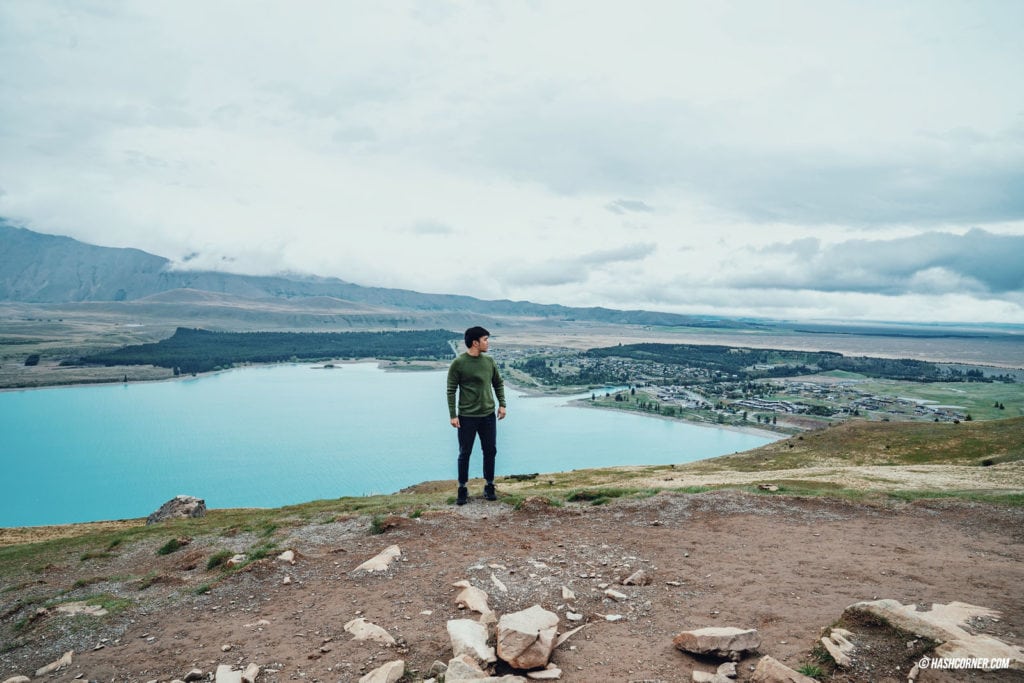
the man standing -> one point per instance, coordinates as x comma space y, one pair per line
473, 375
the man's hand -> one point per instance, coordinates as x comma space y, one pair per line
455, 422
501, 412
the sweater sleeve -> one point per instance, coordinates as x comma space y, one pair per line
499, 385
453, 384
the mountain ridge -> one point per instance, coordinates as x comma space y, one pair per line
38, 268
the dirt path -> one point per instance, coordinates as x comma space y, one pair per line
786, 566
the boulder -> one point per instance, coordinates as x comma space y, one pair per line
726, 641
361, 629
470, 638
179, 507
526, 638
388, 673
771, 670
382, 561
944, 624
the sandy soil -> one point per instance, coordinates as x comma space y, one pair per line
784, 565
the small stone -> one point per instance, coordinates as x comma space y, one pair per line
567, 594
251, 673
551, 673
573, 616
526, 638
194, 675
388, 673
613, 617
616, 595
382, 561
287, 556
225, 648
361, 629
63, 662
225, 674
637, 578
18, 679
770, 670
235, 561
469, 637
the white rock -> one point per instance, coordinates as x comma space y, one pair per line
839, 648
225, 674
770, 670
472, 598
251, 673
498, 584
526, 638
567, 594
381, 561
194, 675
463, 668
81, 608
286, 580
361, 629
613, 617
470, 638
61, 663
573, 616
637, 578
551, 673
719, 641
388, 673
18, 679
616, 595
225, 648
287, 556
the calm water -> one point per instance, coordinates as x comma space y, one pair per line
271, 436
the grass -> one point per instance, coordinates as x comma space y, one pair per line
218, 559
812, 670
171, 546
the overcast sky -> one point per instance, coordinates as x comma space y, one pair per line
813, 159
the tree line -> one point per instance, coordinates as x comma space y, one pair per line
196, 350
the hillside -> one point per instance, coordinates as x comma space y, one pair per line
138, 602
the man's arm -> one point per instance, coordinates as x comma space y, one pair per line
453, 385
499, 390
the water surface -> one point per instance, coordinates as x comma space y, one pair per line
283, 434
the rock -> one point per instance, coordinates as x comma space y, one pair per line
771, 670
637, 578
472, 598
613, 617
251, 673
718, 641
179, 507
438, 668
286, 580
61, 663
225, 674
18, 679
725, 673
194, 675
287, 556
944, 624
463, 668
573, 616
839, 648
388, 673
236, 561
498, 584
225, 648
567, 594
568, 634
551, 673
361, 629
382, 561
616, 595
81, 608
526, 638
470, 638
768, 487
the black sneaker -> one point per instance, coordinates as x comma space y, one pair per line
489, 492
463, 496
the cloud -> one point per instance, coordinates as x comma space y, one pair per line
428, 227
628, 252
621, 206
934, 262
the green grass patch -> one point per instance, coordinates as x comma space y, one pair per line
171, 546
812, 670
218, 559
600, 496
83, 582
95, 555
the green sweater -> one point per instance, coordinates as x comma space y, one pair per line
473, 377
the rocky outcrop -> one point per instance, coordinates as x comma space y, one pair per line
179, 507
526, 638
728, 642
945, 625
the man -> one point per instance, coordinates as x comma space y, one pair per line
474, 375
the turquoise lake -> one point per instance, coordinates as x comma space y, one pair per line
277, 435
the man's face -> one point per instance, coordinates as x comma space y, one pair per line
482, 343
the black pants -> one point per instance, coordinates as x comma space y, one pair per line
487, 427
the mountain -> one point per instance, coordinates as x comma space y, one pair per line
49, 269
